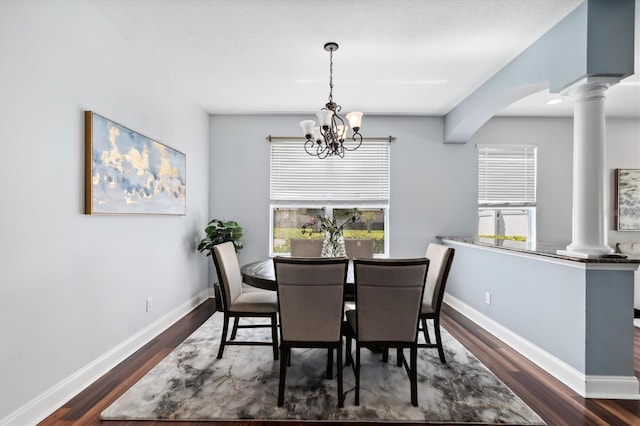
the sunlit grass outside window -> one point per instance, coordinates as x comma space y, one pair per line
505, 237
285, 234
288, 223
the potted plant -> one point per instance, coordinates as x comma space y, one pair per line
218, 232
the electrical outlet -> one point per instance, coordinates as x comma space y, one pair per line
487, 298
148, 304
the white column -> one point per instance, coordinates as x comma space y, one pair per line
589, 216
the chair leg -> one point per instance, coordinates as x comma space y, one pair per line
284, 351
274, 336
413, 375
339, 368
347, 361
385, 355
400, 357
425, 331
330, 363
223, 337
436, 325
235, 328
289, 357
357, 374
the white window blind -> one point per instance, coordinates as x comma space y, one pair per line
507, 175
362, 175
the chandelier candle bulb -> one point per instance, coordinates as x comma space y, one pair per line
308, 127
355, 119
324, 117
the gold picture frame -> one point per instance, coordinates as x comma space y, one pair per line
129, 173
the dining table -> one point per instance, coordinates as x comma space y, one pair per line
261, 274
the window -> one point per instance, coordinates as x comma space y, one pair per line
302, 187
507, 191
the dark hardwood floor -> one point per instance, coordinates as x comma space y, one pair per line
552, 400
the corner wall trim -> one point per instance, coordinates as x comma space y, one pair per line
43, 405
605, 387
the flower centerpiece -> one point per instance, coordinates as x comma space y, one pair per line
333, 242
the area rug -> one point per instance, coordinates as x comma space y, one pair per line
191, 384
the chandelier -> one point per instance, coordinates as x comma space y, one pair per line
328, 138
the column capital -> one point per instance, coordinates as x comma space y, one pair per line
589, 85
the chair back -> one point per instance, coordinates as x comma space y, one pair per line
388, 298
359, 247
228, 270
306, 247
310, 297
440, 258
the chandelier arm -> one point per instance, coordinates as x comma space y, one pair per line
357, 137
310, 143
323, 152
335, 126
337, 117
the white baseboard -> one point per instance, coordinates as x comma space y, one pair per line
606, 387
611, 387
42, 406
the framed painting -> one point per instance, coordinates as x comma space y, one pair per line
129, 173
628, 199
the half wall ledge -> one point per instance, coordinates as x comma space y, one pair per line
573, 317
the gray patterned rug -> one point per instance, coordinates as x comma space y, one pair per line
191, 384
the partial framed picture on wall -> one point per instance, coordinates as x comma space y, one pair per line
129, 173
628, 199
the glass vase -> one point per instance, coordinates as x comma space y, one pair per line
333, 244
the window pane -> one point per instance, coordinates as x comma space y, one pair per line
287, 224
370, 225
505, 224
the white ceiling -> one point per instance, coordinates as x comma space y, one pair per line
416, 57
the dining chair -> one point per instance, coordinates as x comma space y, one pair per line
359, 247
310, 301
388, 294
237, 303
306, 247
441, 258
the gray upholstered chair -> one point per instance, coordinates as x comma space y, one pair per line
359, 247
388, 296
306, 247
310, 301
441, 258
238, 304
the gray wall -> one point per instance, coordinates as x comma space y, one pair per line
433, 185
530, 298
569, 312
433, 189
434, 192
554, 138
73, 287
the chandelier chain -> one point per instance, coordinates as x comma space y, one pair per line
331, 76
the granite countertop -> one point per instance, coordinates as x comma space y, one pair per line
538, 249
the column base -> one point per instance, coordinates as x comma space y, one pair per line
586, 251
